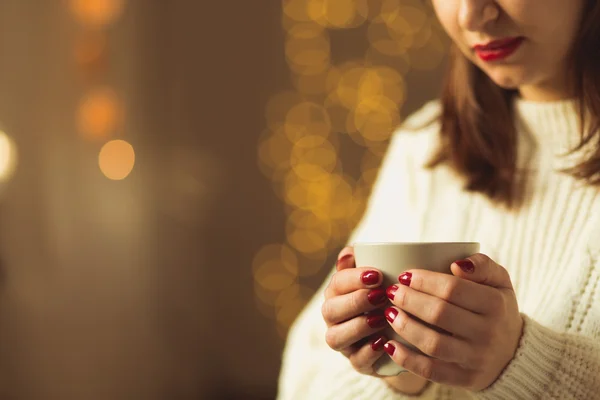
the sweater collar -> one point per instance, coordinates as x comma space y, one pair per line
547, 132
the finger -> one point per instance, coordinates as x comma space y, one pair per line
350, 350
352, 279
345, 259
430, 342
481, 269
429, 368
342, 308
438, 312
363, 359
460, 292
344, 335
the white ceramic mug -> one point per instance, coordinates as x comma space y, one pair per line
394, 258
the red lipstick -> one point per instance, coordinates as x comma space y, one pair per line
498, 49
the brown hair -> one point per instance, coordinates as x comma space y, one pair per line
479, 139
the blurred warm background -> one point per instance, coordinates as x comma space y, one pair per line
177, 177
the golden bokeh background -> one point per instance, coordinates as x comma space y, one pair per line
333, 102
100, 114
177, 178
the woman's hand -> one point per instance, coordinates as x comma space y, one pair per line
353, 311
477, 306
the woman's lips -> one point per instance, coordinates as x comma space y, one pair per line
498, 49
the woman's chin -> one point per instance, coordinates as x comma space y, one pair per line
506, 81
507, 76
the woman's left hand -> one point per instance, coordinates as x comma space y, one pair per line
478, 309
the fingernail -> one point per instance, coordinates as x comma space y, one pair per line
466, 265
376, 321
391, 292
342, 259
389, 348
376, 296
405, 278
391, 313
370, 278
378, 343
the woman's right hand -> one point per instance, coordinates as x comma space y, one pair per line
353, 311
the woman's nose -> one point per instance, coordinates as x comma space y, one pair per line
474, 15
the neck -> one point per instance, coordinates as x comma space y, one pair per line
546, 92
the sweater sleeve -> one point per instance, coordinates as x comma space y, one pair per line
549, 365
310, 369
555, 365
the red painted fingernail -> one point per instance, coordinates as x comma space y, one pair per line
376, 296
405, 278
370, 277
391, 292
344, 258
389, 348
376, 321
391, 313
378, 343
466, 265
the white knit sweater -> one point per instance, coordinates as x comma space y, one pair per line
551, 248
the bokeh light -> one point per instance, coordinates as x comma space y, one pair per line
292, 292
116, 159
274, 152
392, 40
272, 277
376, 119
348, 86
275, 267
96, 13
296, 10
311, 158
308, 240
308, 50
307, 118
99, 114
338, 14
8, 157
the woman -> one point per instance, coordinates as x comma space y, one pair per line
509, 157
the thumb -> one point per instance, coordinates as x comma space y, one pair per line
482, 269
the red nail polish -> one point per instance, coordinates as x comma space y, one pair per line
378, 343
405, 278
466, 265
376, 321
344, 258
376, 296
370, 278
391, 314
391, 292
389, 348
